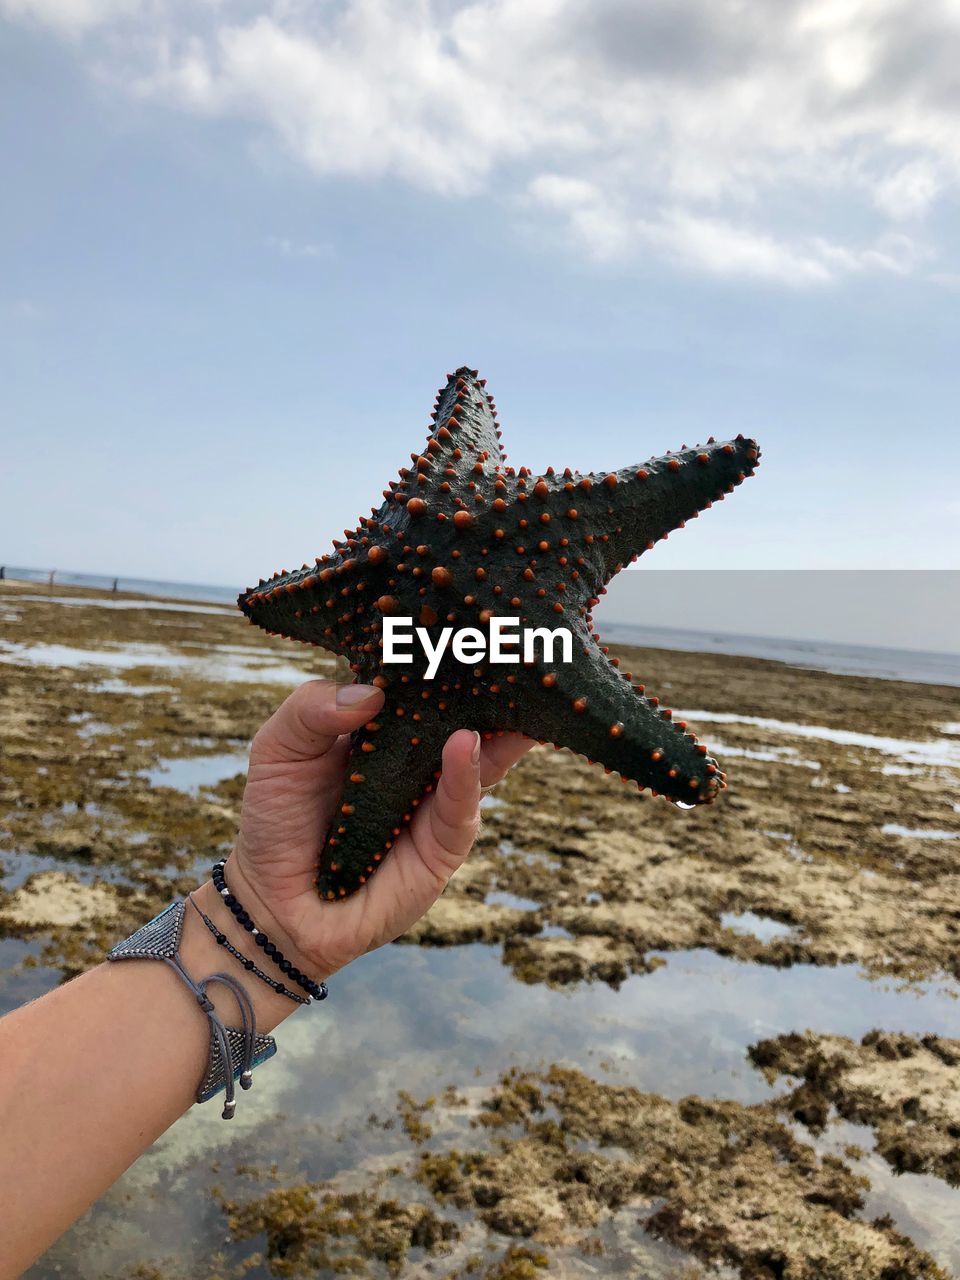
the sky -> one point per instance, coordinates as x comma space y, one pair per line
242, 244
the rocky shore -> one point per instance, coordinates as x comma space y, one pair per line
123, 727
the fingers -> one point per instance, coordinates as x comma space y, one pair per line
499, 755
308, 723
446, 828
452, 819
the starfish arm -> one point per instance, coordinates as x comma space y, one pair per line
306, 604
468, 411
462, 456
393, 763
463, 453
594, 710
635, 507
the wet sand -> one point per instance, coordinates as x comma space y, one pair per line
837, 846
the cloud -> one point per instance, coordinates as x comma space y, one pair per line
68, 16
908, 192
298, 249
723, 249
786, 143
22, 309
711, 245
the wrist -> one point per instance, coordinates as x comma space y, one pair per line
203, 955
274, 923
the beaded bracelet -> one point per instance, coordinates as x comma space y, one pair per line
318, 990
224, 941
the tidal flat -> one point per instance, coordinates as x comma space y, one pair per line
628, 1040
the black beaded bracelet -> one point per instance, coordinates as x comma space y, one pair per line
318, 990
224, 941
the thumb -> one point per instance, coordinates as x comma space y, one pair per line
309, 722
445, 829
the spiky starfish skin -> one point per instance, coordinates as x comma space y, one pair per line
460, 537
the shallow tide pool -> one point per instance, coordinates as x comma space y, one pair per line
246, 667
418, 1019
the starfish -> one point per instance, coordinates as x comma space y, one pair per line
459, 538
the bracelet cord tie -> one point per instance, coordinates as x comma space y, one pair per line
234, 1051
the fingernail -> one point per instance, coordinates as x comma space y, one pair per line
350, 694
475, 753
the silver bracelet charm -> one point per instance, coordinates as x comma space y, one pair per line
234, 1051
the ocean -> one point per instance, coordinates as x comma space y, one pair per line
915, 666
134, 586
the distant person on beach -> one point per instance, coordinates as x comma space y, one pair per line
94, 1071
3, 572
116, 583
50, 577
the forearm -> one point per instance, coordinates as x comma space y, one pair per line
95, 1071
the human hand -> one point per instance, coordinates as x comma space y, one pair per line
293, 789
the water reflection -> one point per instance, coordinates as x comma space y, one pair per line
190, 773
16, 868
419, 1019
21, 979
256, 667
750, 924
